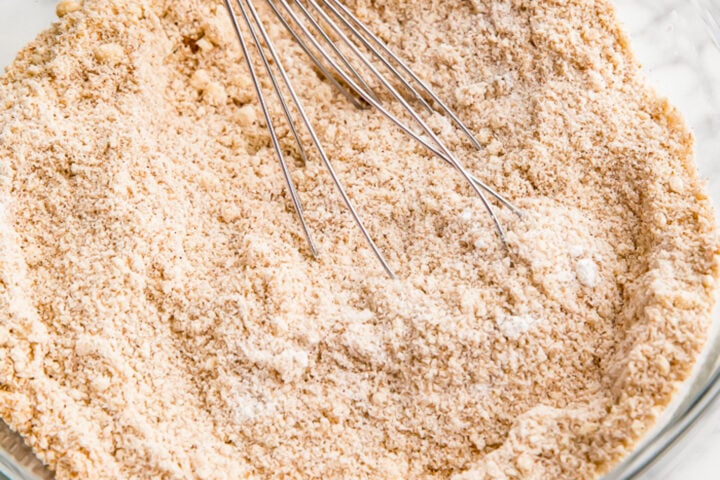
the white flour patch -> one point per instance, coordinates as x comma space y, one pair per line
514, 326
588, 272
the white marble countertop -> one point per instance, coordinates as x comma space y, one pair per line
673, 43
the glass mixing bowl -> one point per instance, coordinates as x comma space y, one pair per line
678, 42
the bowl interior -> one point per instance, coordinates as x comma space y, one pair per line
678, 43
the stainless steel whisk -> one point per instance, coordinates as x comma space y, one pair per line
323, 29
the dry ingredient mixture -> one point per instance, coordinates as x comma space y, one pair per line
162, 317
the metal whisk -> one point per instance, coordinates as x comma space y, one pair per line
337, 42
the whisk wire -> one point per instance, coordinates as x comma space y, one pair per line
407, 85
301, 110
276, 87
346, 77
316, 61
413, 114
406, 129
271, 128
285, 107
395, 58
316, 25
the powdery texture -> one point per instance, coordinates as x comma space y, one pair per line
161, 317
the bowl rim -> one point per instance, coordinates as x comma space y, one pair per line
663, 441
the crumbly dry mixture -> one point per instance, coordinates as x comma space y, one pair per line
162, 316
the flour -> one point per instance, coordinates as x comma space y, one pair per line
162, 316
587, 272
514, 326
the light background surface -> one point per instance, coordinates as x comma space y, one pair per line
682, 60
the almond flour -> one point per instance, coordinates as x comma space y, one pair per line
162, 317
